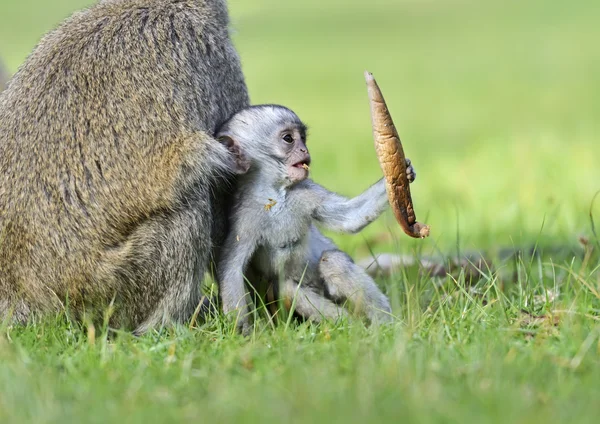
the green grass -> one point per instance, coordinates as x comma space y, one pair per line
497, 104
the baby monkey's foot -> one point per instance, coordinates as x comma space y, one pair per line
411, 174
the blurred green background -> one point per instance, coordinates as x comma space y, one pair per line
497, 103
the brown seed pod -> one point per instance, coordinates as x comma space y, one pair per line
391, 158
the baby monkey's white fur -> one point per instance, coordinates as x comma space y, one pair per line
272, 223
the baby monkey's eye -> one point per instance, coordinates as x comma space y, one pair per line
288, 139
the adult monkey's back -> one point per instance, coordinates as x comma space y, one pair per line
108, 171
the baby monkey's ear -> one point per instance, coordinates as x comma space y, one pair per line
241, 163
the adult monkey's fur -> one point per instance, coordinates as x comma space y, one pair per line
110, 180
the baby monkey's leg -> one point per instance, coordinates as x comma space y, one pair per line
347, 281
309, 304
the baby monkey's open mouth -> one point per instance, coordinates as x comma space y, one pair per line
305, 164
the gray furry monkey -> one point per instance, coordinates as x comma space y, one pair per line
110, 179
273, 216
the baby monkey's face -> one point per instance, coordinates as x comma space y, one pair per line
292, 141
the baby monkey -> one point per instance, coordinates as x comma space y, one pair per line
272, 233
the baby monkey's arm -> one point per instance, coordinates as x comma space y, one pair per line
339, 213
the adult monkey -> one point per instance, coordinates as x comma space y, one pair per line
110, 179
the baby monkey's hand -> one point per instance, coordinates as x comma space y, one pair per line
411, 174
